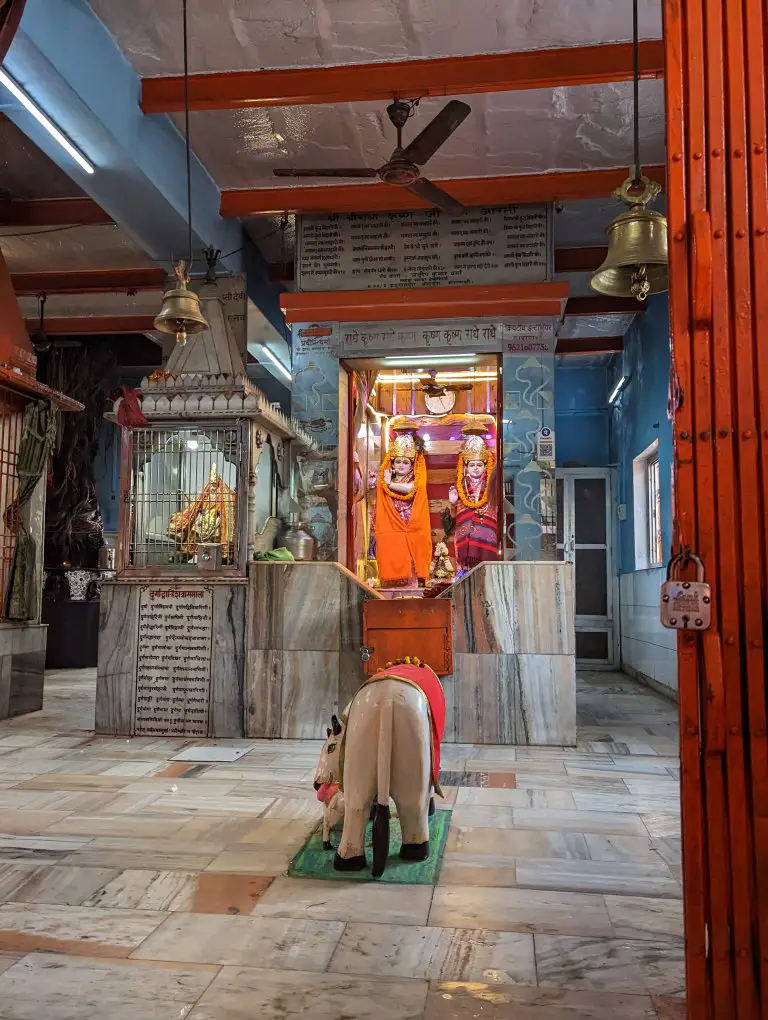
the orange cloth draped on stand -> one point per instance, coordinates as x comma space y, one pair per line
209, 517
403, 547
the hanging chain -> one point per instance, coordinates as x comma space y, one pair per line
186, 132
636, 89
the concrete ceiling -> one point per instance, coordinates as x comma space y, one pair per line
584, 128
252, 34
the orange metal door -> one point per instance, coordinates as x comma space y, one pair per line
417, 627
718, 222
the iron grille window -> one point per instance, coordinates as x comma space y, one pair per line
11, 419
654, 510
184, 491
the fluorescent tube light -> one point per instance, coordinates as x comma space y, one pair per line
443, 359
276, 362
441, 377
617, 389
18, 92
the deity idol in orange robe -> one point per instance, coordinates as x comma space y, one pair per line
209, 517
403, 534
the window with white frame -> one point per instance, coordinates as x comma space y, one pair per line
646, 483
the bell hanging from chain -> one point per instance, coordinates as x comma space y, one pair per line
637, 263
180, 313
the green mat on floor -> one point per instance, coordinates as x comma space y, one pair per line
314, 862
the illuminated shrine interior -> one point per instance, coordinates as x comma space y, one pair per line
338, 475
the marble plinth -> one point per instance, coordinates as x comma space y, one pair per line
305, 631
514, 678
22, 668
119, 659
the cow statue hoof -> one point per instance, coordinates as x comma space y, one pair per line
349, 863
414, 851
327, 845
431, 806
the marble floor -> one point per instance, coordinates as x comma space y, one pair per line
136, 885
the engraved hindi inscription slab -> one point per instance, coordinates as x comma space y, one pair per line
173, 669
429, 248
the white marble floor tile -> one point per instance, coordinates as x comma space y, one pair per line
240, 993
79, 931
620, 848
469, 816
473, 1000
147, 854
258, 861
147, 890
527, 910
212, 752
282, 943
67, 988
636, 805
619, 877
465, 869
60, 883
575, 784
622, 824
484, 797
640, 917
663, 826
108, 824
345, 901
439, 954
518, 843
654, 968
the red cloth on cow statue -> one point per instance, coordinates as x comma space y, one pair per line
417, 673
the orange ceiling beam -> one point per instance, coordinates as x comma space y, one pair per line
406, 79
85, 325
91, 281
470, 191
600, 305
590, 345
579, 260
51, 212
503, 299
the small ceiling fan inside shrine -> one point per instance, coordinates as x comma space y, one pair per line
402, 168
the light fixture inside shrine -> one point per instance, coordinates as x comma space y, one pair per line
637, 262
180, 312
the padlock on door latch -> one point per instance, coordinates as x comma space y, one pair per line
685, 605
366, 653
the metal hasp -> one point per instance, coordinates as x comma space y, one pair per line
685, 605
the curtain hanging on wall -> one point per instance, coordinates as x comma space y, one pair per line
364, 382
37, 439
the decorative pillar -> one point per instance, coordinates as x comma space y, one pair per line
528, 456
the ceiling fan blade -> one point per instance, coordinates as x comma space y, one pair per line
436, 196
438, 131
360, 171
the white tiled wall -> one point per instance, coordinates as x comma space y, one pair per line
647, 649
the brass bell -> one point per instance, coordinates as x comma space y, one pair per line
180, 313
637, 262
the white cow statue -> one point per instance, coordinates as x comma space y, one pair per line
387, 746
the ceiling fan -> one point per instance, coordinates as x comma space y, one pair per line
435, 389
402, 167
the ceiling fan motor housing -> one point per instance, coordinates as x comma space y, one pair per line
399, 171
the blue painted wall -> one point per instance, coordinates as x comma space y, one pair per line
640, 416
582, 417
